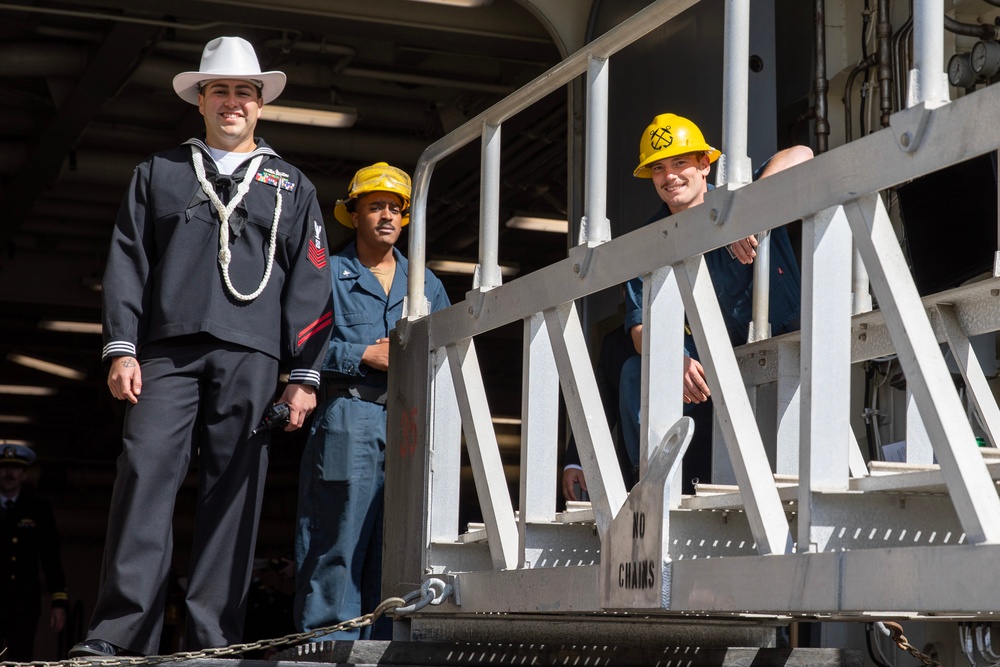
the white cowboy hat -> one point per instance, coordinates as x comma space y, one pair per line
229, 58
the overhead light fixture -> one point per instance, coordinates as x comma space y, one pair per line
507, 421
15, 419
71, 327
46, 366
537, 224
458, 3
321, 116
26, 390
464, 268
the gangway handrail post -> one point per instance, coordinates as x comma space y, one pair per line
734, 164
488, 271
735, 169
596, 228
927, 76
416, 300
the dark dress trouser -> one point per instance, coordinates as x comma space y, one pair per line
199, 396
18, 625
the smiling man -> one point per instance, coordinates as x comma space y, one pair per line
674, 154
217, 278
338, 541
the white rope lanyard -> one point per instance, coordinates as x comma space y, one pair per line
225, 256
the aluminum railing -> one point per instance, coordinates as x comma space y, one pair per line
591, 60
830, 558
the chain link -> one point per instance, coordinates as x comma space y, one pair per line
389, 604
897, 636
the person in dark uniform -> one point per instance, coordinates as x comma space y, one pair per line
673, 153
28, 539
217, 277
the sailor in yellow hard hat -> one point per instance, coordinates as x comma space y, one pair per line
379, 177
673, 153
669, 135
338, 540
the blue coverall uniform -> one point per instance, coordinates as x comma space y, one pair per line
338, 542
733, 283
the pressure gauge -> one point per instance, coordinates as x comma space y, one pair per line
960, 73
986, 58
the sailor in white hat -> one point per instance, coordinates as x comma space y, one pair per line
216, 279
229, 58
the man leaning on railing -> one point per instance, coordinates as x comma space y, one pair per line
674, 154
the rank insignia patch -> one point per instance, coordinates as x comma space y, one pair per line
325, 320
317, 255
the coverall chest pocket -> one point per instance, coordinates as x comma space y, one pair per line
355, 318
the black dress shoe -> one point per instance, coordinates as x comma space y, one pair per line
98, 648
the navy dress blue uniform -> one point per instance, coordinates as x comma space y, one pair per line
210, 364
28, 540
338, 542
733, 283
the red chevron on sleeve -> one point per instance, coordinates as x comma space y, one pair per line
323, 322
317, 255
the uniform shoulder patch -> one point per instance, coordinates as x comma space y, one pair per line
317, 253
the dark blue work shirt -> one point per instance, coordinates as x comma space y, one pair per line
733, 282
363, 313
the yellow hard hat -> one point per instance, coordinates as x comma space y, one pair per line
379, 177
669, 135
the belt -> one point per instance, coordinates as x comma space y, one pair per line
339, 388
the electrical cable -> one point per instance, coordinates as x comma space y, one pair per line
874, 650
869, 429
866, 24
864, 65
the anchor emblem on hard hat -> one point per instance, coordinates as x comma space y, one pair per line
661, 137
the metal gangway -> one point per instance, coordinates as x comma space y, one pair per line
820, 536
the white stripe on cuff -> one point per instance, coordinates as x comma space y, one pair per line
118, 348
304, 376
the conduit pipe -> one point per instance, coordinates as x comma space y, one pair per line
124, 18
900, 50
883, 31
980, 30
821, 83
866, 64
